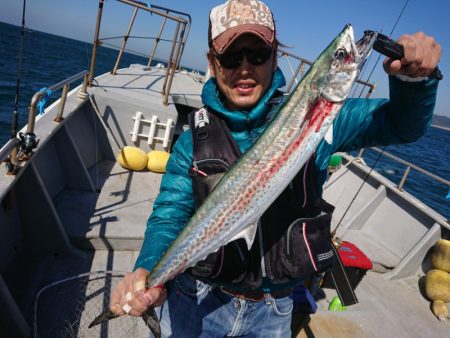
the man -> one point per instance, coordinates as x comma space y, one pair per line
240, 292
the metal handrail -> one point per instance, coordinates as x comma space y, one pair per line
8, 148
183, 25
39, 95
125, 39
300, 69
134, 37
182, 41
409, 166
28, 143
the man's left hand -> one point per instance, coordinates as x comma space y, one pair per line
421, 56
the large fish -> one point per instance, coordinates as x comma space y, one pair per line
233, 207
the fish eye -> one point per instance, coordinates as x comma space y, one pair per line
341, 54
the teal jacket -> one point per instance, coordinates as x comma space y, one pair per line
361, 123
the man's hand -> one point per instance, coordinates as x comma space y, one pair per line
131, 296
421, 56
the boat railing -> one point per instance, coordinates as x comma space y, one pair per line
408, 168
28, 142
7, 149
24, 145
289, 60
178, 42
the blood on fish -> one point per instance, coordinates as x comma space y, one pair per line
320, 110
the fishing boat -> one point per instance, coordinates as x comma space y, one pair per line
73, 219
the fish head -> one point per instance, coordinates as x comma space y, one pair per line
345, 59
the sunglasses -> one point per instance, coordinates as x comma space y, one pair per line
233, 59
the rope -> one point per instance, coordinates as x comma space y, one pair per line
82, 95
48, 92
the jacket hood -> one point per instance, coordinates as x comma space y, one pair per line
241, 120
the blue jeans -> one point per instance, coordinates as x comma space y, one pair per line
194, 309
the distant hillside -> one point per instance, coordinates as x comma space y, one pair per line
441, 121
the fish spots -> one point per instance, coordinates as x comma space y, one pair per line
214, 229
313, 121
203, 235
211, 232
183, 265
197, 244
242, 202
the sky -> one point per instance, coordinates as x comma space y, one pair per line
306, 27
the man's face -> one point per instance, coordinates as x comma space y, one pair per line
243, 86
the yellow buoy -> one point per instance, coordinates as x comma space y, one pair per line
157, 161
437, 285
440, 256
440, 310
132, 158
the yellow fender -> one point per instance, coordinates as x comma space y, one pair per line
437, 285
440, 256
132, 158
440, 310
157, 161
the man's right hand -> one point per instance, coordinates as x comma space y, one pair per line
421, 56
132, 297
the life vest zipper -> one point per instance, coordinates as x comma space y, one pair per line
196, 170
210, 160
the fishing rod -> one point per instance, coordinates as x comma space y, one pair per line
11, 163
15, 118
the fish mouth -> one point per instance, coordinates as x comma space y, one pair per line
364, 46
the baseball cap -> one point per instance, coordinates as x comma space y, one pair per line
236, 17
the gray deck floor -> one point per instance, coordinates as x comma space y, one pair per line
116, 217
386, 309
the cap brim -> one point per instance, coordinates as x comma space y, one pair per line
224, 40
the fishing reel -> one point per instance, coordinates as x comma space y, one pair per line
22, 153
28, 143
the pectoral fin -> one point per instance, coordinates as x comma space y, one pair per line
329, 135
248, 234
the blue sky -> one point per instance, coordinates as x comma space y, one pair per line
306, 26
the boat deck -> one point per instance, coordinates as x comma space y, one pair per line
87, 214
386, 308
115, 217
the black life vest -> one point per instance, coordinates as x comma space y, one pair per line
293, 239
